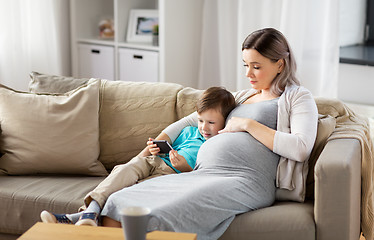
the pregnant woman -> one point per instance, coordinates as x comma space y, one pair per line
266, 139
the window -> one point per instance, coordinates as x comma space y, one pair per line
370, 23
352, 21
357, 32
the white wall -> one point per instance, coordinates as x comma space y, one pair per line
356, 83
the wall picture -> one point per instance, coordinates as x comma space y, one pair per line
141, 23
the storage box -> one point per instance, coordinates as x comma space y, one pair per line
96, 61
138, 65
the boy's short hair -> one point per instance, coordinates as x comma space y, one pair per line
216, 98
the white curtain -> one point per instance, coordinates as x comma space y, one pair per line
311, 27
35, 37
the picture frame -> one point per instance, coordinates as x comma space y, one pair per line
141, 22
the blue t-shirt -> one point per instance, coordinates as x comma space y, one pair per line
187, 144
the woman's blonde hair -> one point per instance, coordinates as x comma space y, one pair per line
272, 44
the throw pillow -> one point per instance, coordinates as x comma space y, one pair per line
50, 134
186, 101
44, 83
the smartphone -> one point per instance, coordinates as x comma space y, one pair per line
164, 146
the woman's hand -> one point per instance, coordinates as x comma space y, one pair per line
179, 162
236, 124
262, 133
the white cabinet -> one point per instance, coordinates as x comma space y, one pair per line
95, 61
138, 65
178, 52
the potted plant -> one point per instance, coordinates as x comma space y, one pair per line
155, 35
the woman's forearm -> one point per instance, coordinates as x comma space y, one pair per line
262, 133
297, 129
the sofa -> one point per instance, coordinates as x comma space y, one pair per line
62, 138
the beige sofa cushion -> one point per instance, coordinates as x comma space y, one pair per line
282, 221
43, 133
24, 197
130, 113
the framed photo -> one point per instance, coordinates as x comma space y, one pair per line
141, 22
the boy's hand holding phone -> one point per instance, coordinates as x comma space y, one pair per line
163, 145
152, 147
158, 146
179, 162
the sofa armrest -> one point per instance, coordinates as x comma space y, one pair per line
338, 190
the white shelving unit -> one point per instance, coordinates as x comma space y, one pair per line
179, 36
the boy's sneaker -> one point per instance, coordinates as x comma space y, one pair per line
48, 217
89, 219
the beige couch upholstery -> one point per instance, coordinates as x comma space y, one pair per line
131, 112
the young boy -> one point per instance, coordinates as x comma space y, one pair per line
212, 108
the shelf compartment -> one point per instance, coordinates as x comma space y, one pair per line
96, 61
138, 65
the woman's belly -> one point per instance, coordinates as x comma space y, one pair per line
239, 154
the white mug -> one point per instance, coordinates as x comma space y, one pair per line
134, 222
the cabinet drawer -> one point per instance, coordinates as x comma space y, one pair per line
138, 65
95, 61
